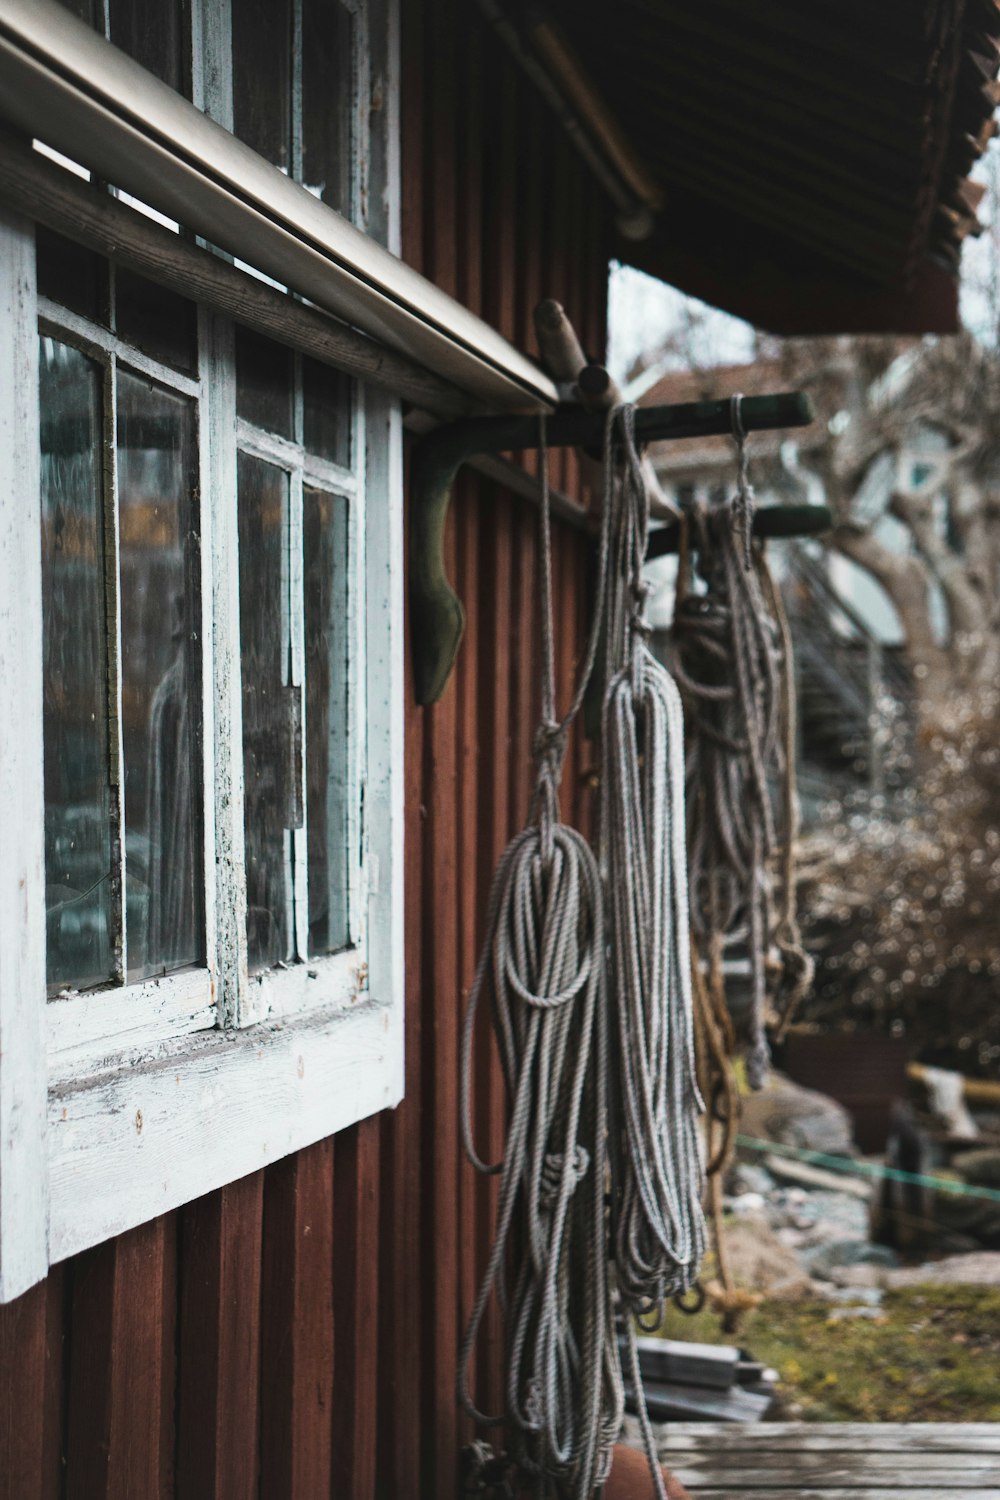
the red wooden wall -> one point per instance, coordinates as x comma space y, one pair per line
294, 1336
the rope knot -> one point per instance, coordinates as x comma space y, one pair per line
555, 1166
550, 741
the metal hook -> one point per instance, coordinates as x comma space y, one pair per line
736, 419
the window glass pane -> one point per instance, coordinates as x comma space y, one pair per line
153, 32
327, 764
327, 98
157, 321
265, 375
326, 412
79, 884
271, 736
161, 688
262, 71
71, 275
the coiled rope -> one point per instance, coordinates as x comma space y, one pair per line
657, 1170
733, 662
657, 1165
593, 1104
544, 965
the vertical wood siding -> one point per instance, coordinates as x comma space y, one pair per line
294, 1336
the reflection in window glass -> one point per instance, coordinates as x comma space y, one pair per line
327, 766
327, 92
265, 376
79, 886
157, 321
271, 726
70, 275
326, 412
262, 73
161, 689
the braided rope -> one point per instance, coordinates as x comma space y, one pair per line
553, 917
544, 965
733, 661
657, 1172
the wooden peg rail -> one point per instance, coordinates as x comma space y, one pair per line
438, 618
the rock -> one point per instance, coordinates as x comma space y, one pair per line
980, 1268
746, 1203
864, 1277
748, 1177
761, 1262
981, 1166
824, 1259
793, 1116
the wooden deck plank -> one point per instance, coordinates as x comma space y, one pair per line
834, 1461
864, 1493
852, 1477
821, 1461
767, 1437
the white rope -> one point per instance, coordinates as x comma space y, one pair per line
568, 1069
544, 964
657, 1166
659, 1173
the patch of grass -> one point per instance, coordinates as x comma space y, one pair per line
932, 1354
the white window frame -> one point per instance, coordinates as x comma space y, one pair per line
120, 1104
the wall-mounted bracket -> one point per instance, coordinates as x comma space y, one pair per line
436, 613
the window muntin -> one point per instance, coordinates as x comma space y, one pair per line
299, 644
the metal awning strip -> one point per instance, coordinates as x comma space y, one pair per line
66, 85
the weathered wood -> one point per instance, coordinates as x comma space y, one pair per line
869, 1461
865, 1492
835, 1475
22, 1391
120, 1440
23, 1162
942, 1436
822, 1462
219, 1343
297, 1326
102, 223
356, 1307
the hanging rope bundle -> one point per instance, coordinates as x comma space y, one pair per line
544, 965
733, 662
592, 1103
656, 1161
657, 1168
